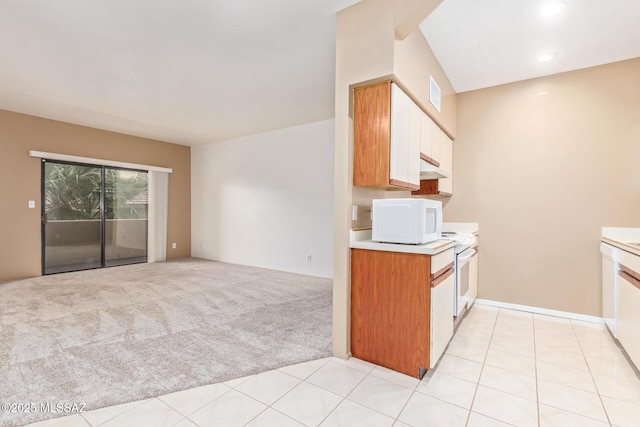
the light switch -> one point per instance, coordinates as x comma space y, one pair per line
32, 204
173, 246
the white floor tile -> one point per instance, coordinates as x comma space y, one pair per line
618, 388
565, 375
571, 399
450, 389
237, 381
558, 344
308, 404
521, 346
349, 413
268, 386
512, 331
395, 377
478, 420
188, 401
231, 409
422, 410
613, 368
152, 414
505, 407
570, 359
506, 312
475, 338
509, 382
609, 351
464, 369
380, 395
305, 369
554, 417
185, 423
70, 421
512, 362
473, 352
355, 363
102, 415
622, 414
337, 378
272, 418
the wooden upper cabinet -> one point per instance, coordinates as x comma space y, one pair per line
386, 125
371, 134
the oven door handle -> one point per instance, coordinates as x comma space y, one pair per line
466, 256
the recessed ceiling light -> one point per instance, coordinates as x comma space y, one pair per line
552, 8
546, 57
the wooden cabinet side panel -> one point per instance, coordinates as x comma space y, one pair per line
390, 309
371, 134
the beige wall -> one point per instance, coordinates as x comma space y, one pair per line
542, 165
367, 50
20, 182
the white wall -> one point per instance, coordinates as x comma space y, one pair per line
266, 200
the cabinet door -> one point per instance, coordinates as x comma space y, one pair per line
445, 185
442, 296
473, 280
629, 316
413, 158
390, 301
436, 136
371, 126
425, 136
404, 142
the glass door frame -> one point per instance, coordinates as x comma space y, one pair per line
43, 209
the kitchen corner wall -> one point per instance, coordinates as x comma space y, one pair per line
266, 200
542, 165
20, 182
367, 50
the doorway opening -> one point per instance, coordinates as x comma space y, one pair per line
92, 216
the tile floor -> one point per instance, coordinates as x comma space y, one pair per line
502, 368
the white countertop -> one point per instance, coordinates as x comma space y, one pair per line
361, 239
461, 227
622, 238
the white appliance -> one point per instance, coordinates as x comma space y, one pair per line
610, 266
466, 269
411, 221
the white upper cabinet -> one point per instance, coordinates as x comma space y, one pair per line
445, 185
405, 140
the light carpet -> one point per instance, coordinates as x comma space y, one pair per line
120, 334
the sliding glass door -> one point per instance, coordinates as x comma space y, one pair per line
93, 216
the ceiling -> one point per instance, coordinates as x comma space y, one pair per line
199, 71
482, 43
188, 72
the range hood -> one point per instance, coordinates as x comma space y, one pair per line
431, 171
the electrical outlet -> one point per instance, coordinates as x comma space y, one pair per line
32, 204
354, 213
309, 258
173, 246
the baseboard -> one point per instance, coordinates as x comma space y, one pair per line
538, 310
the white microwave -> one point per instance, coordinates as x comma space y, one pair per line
410, 221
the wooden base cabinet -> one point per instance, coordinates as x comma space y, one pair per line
390, 309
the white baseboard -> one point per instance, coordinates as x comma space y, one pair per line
538, 310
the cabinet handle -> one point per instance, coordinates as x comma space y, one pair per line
441, 271
444, 276
629, 275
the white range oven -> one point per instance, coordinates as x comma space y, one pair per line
466, 272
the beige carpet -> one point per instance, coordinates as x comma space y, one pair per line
119, 334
